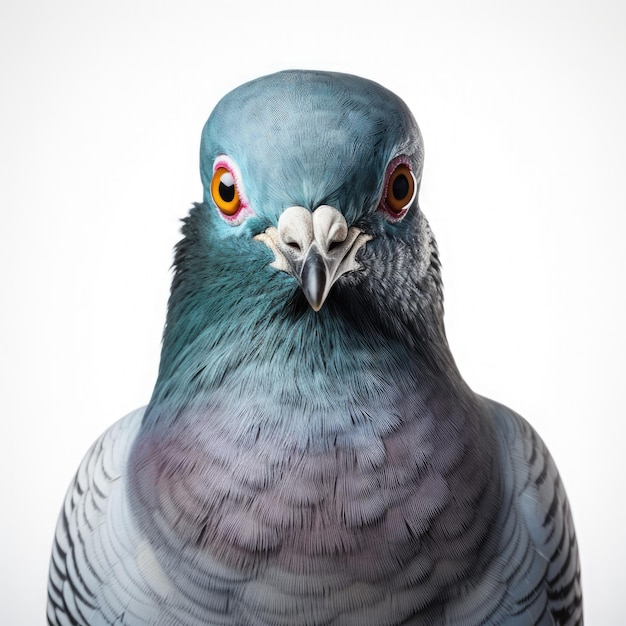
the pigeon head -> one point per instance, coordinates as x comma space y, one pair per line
309, 241
319, 163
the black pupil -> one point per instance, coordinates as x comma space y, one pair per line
400, 187
227, 192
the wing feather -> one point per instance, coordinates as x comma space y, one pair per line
541, 560
88, 551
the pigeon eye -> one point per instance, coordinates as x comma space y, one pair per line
399, 189
224, 191
227, 193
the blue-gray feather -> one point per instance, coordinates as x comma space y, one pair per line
322, 467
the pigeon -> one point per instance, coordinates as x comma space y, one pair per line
311, 455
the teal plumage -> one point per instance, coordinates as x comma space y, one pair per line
310, 453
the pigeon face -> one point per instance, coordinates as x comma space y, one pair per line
322, 164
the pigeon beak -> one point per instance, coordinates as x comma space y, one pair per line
315, 248
314, 278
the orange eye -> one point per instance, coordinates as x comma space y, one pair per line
224, 191
400, 189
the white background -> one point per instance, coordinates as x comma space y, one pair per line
522, 107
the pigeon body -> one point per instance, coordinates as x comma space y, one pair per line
311, 454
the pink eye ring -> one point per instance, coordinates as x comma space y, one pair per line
399, 190
227, 193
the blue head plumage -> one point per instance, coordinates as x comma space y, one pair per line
309, 139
